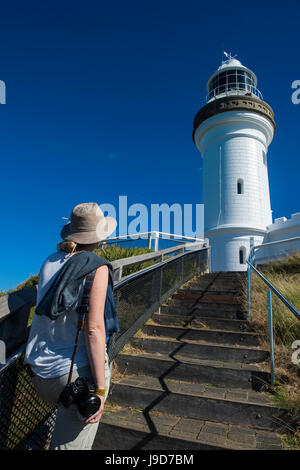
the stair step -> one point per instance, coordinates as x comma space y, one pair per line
225, 311
197, 334
218, 373
204, 288
205, 297
200, 402
198, 350
201, 322
123, 428
205, 304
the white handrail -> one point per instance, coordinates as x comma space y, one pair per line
155, 233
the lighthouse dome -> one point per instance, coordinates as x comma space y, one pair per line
232, 78
230, 63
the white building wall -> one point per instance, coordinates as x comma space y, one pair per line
232, 146
281, 229
225, 250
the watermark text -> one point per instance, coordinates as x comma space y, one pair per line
2, 92
296, 354
296, 93
185, 220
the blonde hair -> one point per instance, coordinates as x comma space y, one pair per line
71, 247
67, 246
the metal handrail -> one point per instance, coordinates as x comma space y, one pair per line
271, 288
277, 242
141, 272
153, 235
232, 89
251, 259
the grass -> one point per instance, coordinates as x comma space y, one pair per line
110, 253
285, 276
114, 252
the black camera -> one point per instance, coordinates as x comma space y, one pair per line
82, 393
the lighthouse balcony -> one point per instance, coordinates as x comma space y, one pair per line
233, 90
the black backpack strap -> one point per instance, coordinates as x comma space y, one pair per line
82, 311
84, 305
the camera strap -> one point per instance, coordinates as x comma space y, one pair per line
82, 311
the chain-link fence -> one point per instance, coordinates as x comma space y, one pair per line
26, 422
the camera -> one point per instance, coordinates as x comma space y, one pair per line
82, 393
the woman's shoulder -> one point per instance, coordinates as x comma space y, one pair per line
55, 261
58, 256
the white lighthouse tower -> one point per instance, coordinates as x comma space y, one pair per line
233, 131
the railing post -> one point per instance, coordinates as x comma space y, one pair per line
160, 286
209, 259
271, 337
181, 267
249, 276
118, 273
156, 239
249, 292
150, 240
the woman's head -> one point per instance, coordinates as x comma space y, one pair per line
86, 229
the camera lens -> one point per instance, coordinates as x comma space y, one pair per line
89, 406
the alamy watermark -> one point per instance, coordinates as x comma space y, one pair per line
296, 354
2, 92
185, 220
296, 94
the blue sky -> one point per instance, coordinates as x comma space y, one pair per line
101, 98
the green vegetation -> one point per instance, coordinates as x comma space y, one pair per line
31, 281
110, 253
114, 252
285, 276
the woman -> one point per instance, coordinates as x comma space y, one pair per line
55, 325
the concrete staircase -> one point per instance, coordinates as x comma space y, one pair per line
193, 378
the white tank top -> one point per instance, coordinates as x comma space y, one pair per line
51, 342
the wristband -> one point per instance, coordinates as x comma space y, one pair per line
100, 391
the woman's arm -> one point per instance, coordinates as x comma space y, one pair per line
95, 333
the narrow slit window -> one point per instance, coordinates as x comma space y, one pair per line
264, 157
242, 255
240, 186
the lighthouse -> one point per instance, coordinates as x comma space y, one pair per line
233, 132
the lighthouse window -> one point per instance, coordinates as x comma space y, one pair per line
232, 80
242, 255
264, 158
222, 81
240, 186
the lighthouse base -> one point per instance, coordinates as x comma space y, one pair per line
229, 251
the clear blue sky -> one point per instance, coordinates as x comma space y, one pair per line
101, 98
